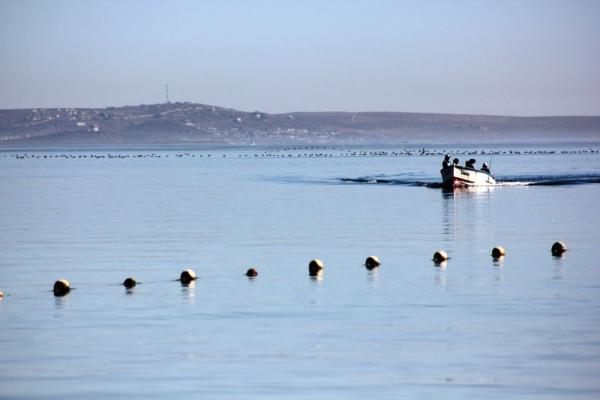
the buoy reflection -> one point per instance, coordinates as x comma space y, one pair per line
188, 290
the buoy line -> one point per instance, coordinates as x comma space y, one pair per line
62, 287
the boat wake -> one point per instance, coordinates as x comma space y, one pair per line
512, 180
381, 180
550, 180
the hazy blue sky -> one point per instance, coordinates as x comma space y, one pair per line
493, 57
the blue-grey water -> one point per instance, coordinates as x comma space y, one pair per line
524, 327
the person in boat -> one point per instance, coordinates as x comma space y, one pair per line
485, 168
470, 163
446, 162
455, 162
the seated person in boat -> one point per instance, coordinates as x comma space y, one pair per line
446, 162
455, 162
470, 163
485, 168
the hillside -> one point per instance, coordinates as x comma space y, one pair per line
198, 124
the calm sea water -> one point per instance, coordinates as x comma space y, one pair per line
525, 327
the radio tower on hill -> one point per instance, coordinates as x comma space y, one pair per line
167, 94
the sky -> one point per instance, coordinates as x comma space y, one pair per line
470, 57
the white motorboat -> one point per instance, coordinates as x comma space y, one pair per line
456, 176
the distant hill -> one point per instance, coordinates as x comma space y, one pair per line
199, 124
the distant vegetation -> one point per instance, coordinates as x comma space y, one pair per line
198, 124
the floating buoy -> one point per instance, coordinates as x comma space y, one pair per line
61, 287
558, 249
129, 283
251, 273
315, 267
187, 276
498, 252
372, 262
440, 256
1, 295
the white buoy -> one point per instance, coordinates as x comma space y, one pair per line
61, 287
315, 267
440, 256
187, 276
558, 249
498, 252
372, 262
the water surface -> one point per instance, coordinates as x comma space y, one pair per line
522, 327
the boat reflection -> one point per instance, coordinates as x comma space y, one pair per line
468, 190
465, 211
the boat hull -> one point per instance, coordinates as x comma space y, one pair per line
457, 177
